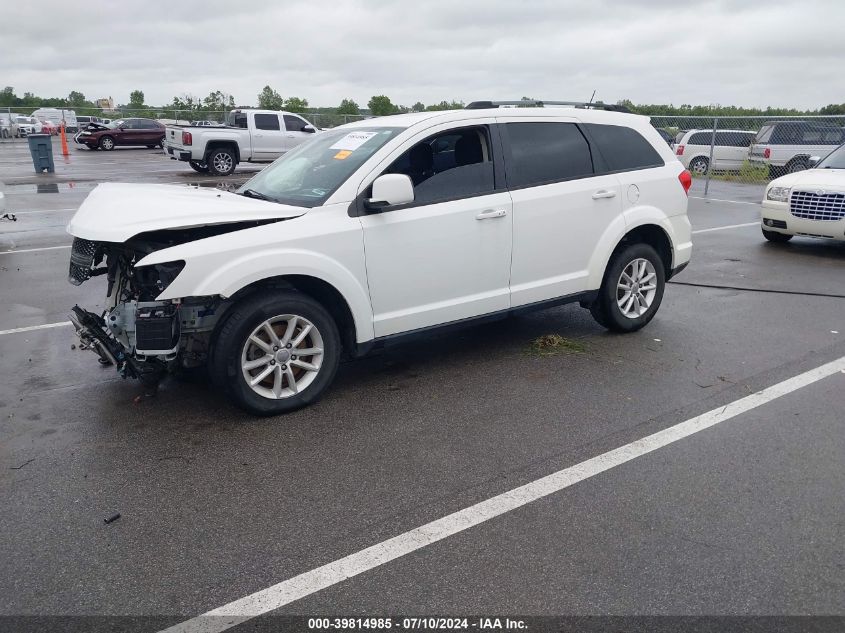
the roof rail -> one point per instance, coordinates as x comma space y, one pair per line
594, 105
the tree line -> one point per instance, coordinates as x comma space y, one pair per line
191, 107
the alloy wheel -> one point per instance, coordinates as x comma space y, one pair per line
636, 288
282, 356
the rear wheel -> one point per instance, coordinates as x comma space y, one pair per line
221, 161
160, 143
698, 166
277, 352
106, 143
198, 166
797, 165
774, 236
632, 289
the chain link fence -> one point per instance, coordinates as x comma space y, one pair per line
734, 158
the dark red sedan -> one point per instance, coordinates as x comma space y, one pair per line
122, 132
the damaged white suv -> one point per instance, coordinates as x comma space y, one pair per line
378, 229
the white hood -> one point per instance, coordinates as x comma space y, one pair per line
833, 179
115, 212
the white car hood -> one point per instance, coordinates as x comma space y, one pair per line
814, 178
115, 212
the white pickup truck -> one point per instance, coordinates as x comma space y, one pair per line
254, 136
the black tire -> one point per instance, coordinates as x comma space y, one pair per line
796, 165
606, 310
198, 166
151, 146
160, 143
243, 319
220, 161
774, 236
698, 165
106, 143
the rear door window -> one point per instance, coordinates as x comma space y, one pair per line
623, 148
546, 152
265, 122
700, 138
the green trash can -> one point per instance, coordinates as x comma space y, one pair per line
41, 148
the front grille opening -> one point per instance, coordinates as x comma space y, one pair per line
814, 205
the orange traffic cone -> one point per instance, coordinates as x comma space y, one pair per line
65, 151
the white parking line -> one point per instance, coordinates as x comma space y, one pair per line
34, 250
310, 582
725, 228
32, 328
756, 204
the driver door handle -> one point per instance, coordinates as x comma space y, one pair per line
491, 213
604, 193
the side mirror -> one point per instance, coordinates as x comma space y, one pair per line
814, 160
390, 190
309, 128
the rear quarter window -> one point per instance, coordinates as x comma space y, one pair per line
623, 148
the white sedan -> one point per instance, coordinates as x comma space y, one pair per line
809, 203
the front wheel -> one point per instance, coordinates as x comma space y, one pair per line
774, 236
221, 162
632, 289
106, 143
198, 166
276, 352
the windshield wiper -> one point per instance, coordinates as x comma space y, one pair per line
252, 193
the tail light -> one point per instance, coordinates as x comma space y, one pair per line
187, 139
767, 153
680, 150
686, 180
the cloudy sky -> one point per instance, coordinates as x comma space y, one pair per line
738, 52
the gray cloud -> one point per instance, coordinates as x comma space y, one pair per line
743, 52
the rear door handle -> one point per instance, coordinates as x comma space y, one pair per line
491, 213
604, 193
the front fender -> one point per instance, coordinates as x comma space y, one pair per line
207, 276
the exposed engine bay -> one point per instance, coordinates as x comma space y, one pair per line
142, 337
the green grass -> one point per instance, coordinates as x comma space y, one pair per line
747, 173
554, 344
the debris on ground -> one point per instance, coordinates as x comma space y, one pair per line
9, 216
553, 344
112, 518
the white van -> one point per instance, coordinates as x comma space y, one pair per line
57, 115
730, 150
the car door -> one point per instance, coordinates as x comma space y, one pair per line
268, 136
561, 208
445, 257
295, 131
130, 133
730, 150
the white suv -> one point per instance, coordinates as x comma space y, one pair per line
377, 229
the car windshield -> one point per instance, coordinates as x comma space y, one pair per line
834, 160
307, 175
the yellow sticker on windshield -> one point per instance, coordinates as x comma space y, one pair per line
342, 154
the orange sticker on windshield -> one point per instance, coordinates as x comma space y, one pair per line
342, 154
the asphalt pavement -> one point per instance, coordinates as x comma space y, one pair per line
741, 519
